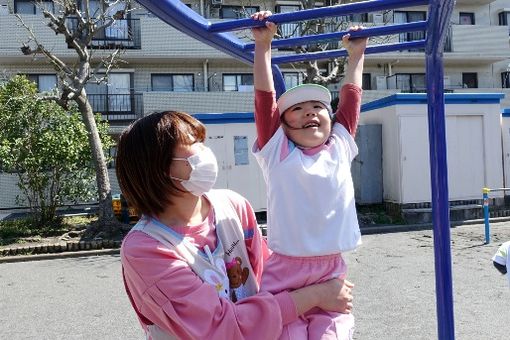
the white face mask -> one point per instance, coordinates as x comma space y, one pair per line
204, 170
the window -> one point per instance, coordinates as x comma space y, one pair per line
291, 29
470, 80
45, 82
98, 8
115, 95
238, 82
291, 79
504, 19
237, 12
505, 80
466, 18
401, 17
31, 7
173, 82
358, 17
367, 81
408, 82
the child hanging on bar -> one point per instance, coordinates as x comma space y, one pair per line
306, 160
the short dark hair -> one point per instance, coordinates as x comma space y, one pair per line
144, 154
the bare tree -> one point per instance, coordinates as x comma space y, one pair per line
78, 22
323, 72
313, 70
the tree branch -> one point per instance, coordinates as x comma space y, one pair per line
58, 25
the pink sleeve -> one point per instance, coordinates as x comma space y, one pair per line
267, 116
349, 105
167, 292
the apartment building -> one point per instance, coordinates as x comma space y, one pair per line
167, 69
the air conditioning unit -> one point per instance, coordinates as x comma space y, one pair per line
216, 2
376, 18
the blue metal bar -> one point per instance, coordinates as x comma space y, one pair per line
410, 45
367, 32
278, 80
486, 215
439, 17
184, 19
307, 14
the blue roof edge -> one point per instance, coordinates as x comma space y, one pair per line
505, 112
224, 118
421, 98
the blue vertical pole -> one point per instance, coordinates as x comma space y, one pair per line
486, 215
439, 18
279, 82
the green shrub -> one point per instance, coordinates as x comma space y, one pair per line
47, 147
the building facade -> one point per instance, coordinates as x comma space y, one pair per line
166, 69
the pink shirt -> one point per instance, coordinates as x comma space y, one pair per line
167, 292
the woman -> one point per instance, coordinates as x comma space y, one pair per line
196, 250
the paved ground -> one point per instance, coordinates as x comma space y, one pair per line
71, 298
83, 298
395, 285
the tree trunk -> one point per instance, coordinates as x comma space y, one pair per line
106, 216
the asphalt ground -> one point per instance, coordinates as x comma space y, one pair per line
395, 296
83, 297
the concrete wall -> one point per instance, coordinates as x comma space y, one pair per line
473, 146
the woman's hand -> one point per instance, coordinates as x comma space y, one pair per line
337, 296
334, 295
263, 34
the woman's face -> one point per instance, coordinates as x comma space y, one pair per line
180, 168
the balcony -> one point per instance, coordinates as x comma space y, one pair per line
473, 2
118, 108
198, 102
466, 45
123, 33
154, 33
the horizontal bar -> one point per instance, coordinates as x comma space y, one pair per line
499, 189
323, 12
366, 32
343, 52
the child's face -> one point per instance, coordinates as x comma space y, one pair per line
307, 124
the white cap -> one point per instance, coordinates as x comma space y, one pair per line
304, 93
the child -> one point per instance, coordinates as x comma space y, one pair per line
306, 163
501, 259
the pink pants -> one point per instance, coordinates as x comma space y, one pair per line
288, 273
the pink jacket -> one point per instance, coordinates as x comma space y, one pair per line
168, 293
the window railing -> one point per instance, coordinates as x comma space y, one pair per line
505, 79
123, 33
118, 107
448, 40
